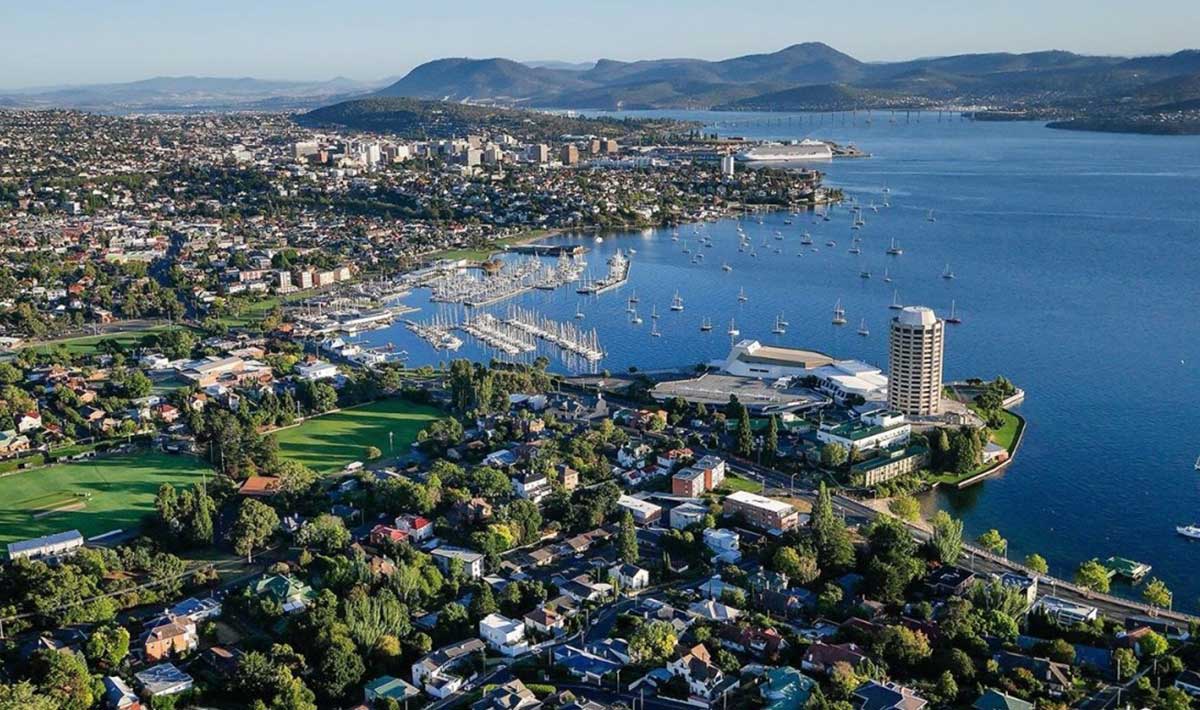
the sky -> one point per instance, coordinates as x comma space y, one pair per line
55, 42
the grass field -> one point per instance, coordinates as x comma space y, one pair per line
89, 344
735, 482
492, 247
330, 442
96, 496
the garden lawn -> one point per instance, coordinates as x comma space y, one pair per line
95, 496
327, 443
736, 483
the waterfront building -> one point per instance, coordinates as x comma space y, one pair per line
875, 430
915, 345
889, 464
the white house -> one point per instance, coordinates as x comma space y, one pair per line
437, 673
503, 634
630, 577
419, 529
316, 370
531, 486
686, 514
634, 456
725, 544
472, 561
880, 429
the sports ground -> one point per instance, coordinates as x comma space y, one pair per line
327, 443
94, 496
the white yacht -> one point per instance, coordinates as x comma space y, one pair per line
1192, 531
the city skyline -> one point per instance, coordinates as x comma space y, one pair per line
51, 44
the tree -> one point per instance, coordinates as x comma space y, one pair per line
24, 696
63, 678
771, 444
1157, 594
1092, 575
905, 507
372, 453
833, 455
947, 537
325, 532
946, 687
339, 667
1125, 663
627, 544
484, 602
835, 551
745, 437
1037, 563
107, 646
137, 385
801, 569
903, 646
255, 524
1153, 644
992, 542
653, 643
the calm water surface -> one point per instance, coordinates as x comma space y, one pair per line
1077, 258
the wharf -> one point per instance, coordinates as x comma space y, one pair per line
1129, 569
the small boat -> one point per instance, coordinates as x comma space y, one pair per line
578, 313
635, 319
677, 302
1192, 531
895, 305
930, 217
653, 312
831, 243
742, 297
862, 328
806, 239
705, 325
787, 221
855, 250
726, 267
599, 239
839, 314
779, 328
1198, 463
947, 273
733, 331
778, 234
887, 278
864, 274
886, 189
633, 298
685, 248
654, 331
894, 250
632, 250
783, 321
675, 235
953, 317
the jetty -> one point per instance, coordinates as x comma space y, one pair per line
566, 336
437, 333
1128, 569
495, 333
618, 274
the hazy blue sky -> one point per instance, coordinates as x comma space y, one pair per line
88, 41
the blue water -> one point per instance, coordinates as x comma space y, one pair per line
1077, 258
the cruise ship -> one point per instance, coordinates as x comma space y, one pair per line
781, 152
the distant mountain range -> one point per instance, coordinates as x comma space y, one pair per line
1056, 85
816, 77
178, 93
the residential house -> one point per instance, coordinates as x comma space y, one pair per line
12, 443
472, 562
386, 688
705, 681
419, 528
764, 644
725, 545
644, 512
531, 486
513, 695
545, 621
687, 514
786, 688
949, 581
163, 679
583, 664
118, 695
821, 657
56, 545
1189, 682
712, 610
874, 695
504, 634
583, 589
174, 638
289, 593
1055, 677
634, 455
261, 487
993, 699
441, 672
764, 513
629, 577
1066, 612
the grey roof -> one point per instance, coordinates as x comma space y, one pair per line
44, 541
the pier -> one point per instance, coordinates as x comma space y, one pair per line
437, 333
618, 274
495, 333
564, 335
